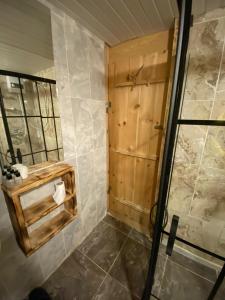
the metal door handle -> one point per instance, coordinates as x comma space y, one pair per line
158, 126
172, 235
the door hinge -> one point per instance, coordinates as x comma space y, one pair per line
108, 106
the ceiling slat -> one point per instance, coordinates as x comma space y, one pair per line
105, 14
139, 14
116, 21
86, 18
125, 14
153, 13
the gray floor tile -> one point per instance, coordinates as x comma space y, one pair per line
181, 284
140, 238
117, 224
130, 267
111, 289
77, 278
103, 245
194, 266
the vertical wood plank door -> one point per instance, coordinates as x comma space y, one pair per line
136, 118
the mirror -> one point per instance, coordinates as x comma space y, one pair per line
30, 127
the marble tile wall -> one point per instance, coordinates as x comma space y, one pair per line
79, 59
197, 192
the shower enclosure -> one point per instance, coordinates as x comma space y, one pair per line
29, 120
181, 229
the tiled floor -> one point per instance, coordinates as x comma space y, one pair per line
112, 264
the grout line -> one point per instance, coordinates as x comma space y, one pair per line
127, 234
192, 272
91, 261
107, 273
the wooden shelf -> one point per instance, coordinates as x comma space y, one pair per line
41, 208
38, 178
22, 218
49, 229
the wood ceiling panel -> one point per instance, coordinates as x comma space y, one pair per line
102, 10
116, 21
134, 6
126, 15
87, 19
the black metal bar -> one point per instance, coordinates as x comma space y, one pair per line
33, 116
217, 284
197, 247
42, 126
184, 28
26, 76
25, 114
172, 235
53, 113
7, 131
202, 122
36, 152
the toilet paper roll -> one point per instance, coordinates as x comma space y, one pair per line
60, 192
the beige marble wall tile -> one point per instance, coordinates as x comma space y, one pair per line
218, 112
220, 247
199, 110
209, 200
211, 15
67, 126
52, 254
206, 43
100, 167
60, 56
190, 144
73, 235
182, 187
221, 81
83, 125
97, 69
214, 151
19, 273
77, 46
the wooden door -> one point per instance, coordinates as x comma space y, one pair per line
138, 82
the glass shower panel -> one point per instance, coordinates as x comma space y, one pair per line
11, 96
197, 190
30, 97
3, 144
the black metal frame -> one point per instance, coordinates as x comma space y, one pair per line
185, 7
35, 79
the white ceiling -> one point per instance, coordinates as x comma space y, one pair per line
25, 36
116, 21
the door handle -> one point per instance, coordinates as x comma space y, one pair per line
172, 235
158, 127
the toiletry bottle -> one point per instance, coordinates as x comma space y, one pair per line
18, 178
9, 180
4, 173
12, 172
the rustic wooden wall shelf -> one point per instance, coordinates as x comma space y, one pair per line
22, 218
